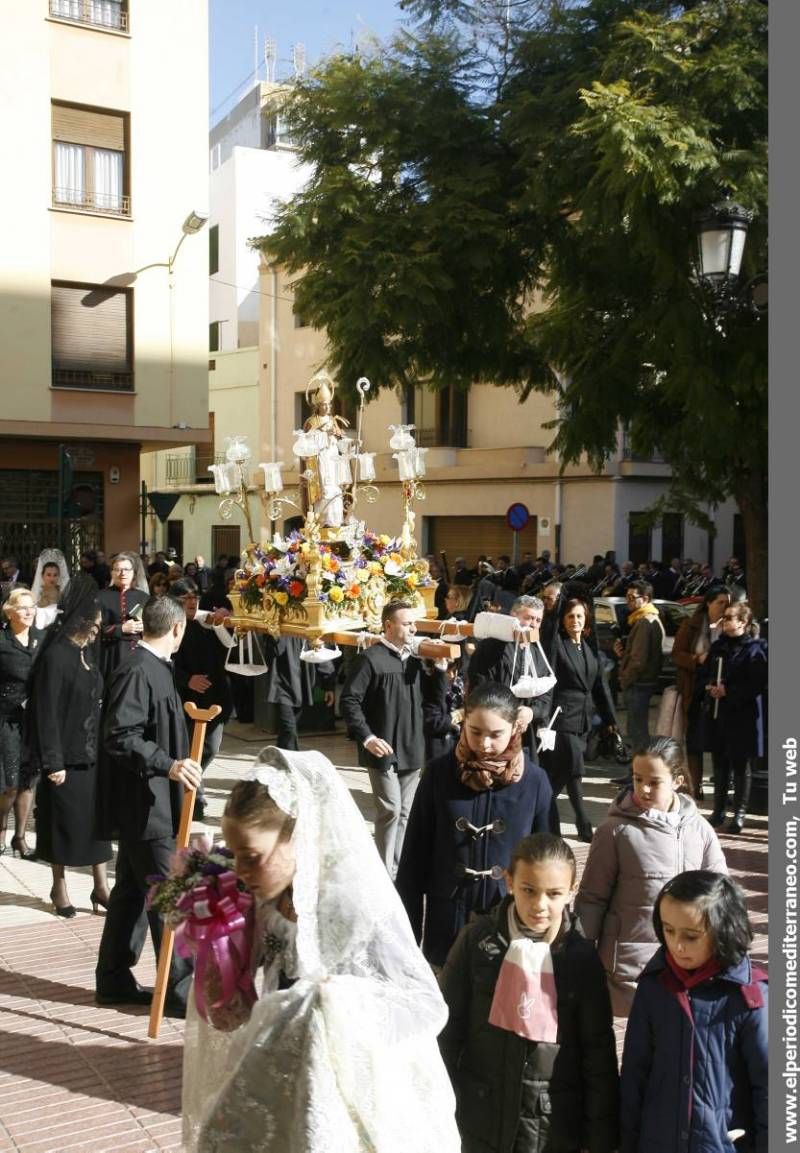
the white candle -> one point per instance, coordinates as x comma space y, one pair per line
273, 481
366, 466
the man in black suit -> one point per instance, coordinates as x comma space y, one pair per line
144, 766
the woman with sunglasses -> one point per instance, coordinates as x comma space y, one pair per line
733, 680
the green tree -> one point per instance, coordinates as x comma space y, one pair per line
561, 149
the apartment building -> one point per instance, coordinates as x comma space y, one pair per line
103, 284
486, 450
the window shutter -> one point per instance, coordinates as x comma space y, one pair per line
84, 126
90, 328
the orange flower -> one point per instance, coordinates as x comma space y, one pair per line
354, 591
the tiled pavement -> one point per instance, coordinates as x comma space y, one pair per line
75, 1078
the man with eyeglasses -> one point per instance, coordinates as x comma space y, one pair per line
121, 606
640, 660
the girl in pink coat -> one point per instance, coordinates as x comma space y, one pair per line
653, 832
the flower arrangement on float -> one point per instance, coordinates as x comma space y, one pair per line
211, 911
276, 576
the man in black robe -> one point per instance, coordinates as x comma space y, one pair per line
382, 705
200, 673
290, 685
503, 662
144, 766
120, 605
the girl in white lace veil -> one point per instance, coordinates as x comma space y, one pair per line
345, 1059
46, 590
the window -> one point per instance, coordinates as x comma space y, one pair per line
440, 416
639, 537
671, 536
213, 336
91, 331
90, 170
101, 13
275, 131
213, 249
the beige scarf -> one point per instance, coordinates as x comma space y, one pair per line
480, 773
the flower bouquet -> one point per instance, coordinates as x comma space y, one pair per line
212, 915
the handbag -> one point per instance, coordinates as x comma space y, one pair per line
670, 715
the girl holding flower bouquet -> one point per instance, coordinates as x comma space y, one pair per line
340, 1047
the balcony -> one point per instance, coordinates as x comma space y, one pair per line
627, 453
103, 203
92, 380
190, 467
111, 14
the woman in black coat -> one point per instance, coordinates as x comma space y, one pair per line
19, 645
63, 717
738, 660
471, 808
580, 691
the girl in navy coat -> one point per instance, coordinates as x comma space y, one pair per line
694, 1067
471, 808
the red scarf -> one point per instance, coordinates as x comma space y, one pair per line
481, 773
688, 978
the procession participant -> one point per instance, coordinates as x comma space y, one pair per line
339, 1051
290, 685
200, 673
62, 728
503, 662
144, 764
381, 703
121, 606
19, 645
471, 808
580, 691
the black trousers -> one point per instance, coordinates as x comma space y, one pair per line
288, 716
564, 768
127, 921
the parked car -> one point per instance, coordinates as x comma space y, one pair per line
611, 623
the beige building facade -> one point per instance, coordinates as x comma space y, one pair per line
103, 339
498, 456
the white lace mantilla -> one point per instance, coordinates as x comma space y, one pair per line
346, 1060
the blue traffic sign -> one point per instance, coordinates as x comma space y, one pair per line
517, 517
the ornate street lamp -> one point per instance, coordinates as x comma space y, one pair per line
721, 235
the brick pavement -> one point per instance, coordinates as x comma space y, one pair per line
75, 1078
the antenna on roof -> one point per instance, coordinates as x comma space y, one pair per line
270, 57
299, 60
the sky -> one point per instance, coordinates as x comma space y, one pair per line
320, 25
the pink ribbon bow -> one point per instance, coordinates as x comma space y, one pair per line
217, 926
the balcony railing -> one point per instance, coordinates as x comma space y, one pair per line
92, 201
88, 378
191, 467
627, 453
97, 13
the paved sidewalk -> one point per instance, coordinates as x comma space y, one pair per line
75, 1078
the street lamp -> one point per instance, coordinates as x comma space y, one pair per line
721, 235
193, 223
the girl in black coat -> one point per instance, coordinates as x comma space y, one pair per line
529, 1043
735, 734
470, 809
580, 691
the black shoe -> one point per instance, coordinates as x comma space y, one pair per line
735, 824
585, 834
19, 848
62, 910
136, 995
716, 819
175, 1009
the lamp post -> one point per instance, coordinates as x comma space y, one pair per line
721, 236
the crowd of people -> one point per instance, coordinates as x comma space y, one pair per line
467, 924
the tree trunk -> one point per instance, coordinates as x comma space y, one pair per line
751, 497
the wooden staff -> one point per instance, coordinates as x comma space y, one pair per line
201, 717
